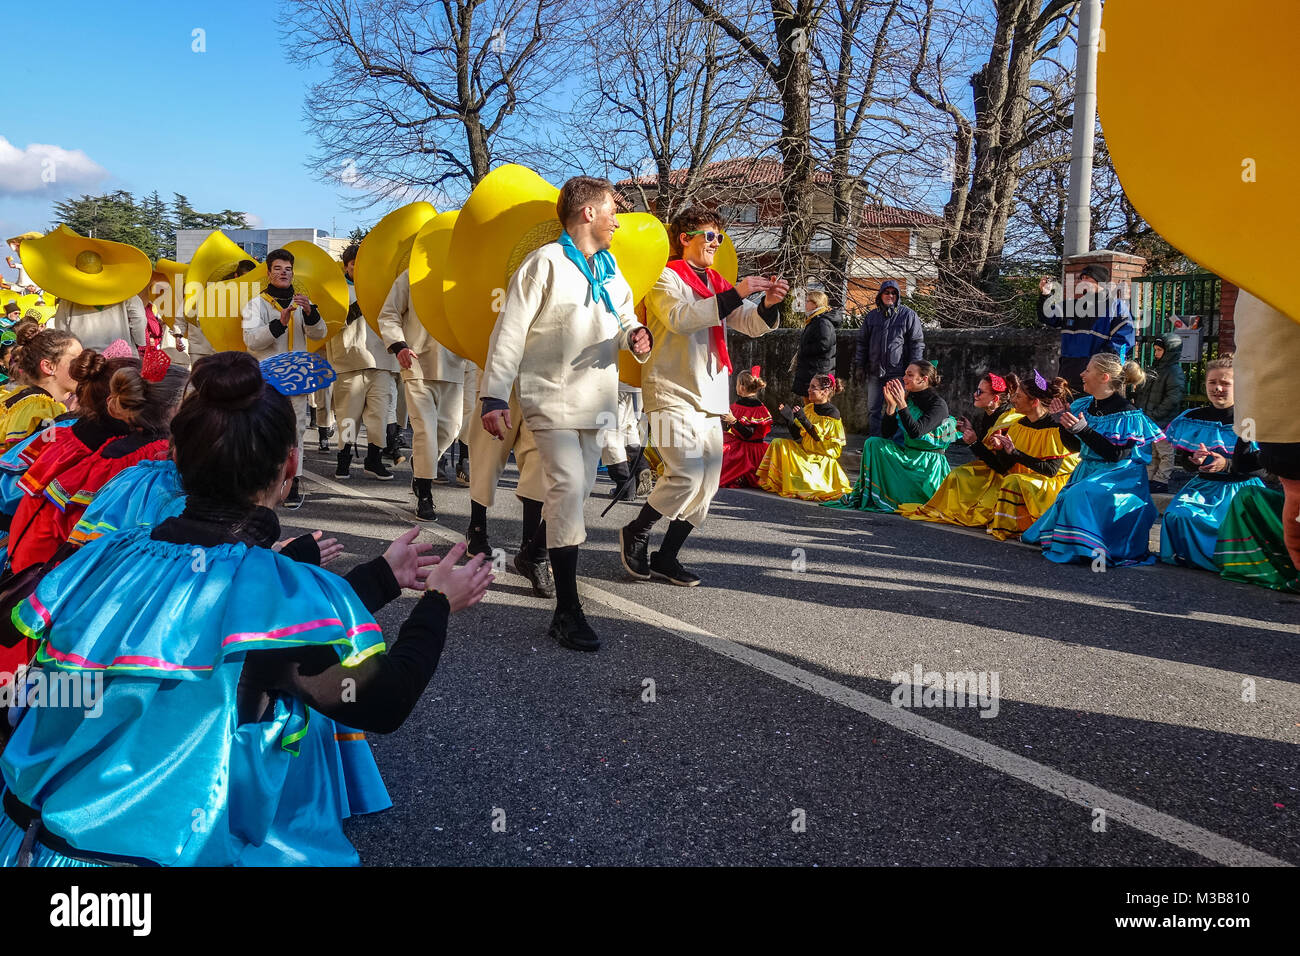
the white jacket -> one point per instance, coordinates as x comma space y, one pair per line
560, 343
98, 327
259, 313
684, 371
358, 347
399, 323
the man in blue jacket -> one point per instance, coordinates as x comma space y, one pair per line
890, 340
1095, 320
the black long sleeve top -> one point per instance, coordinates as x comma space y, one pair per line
376, 695
1002, 462
933, 411
1102, 446
1245, 462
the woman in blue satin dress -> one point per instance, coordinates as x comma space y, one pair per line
212, 653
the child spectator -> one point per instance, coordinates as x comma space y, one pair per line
747, 424
808, 465
1161, 398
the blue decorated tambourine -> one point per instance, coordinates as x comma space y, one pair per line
297, 373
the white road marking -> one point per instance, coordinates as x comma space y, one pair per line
1180, 833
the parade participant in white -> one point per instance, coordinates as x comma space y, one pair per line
279, 321
685, 383
99, 326
567, 313
364, 388
433, 379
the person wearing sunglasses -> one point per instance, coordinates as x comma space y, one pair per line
685, 386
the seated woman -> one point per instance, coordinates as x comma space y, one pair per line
1251, 547
748, 423
968, 494
808, 466
1105, 510
211, 647
910, 467
44, 357
1033, 459
1204, 442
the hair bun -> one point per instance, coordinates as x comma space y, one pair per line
230, 380
88, 365
24, 333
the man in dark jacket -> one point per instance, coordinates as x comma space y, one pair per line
1095, 320
891, 340
1161, 397
816, 355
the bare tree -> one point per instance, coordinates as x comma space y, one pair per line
1013, 107
780, 47
424, 97
670, 91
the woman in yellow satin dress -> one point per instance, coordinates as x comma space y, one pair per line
808, 466
968, 494
1031, 460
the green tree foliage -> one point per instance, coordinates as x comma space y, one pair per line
148, 223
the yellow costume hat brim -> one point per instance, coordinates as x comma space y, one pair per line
23, 238
46, 310
510, 213
315, 273
217, 304
1232, 201
428, 266
385, 254
55, 262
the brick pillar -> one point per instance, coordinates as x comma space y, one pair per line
1227, 307
1123, 267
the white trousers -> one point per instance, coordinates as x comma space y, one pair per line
301, 418
364, 396
690, 444
469, 409
614, 441
569, 458
323, 401
488, 458
434, 408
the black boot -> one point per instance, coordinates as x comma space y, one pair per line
462, 466
295, 497
392, 449
325, 433
476, 538
634, 543
443, 475
344, 469
664, 563
374, 463
569, 626
621, 475
424, 509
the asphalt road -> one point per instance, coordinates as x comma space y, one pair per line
1166, 699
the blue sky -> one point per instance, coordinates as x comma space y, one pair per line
128, 91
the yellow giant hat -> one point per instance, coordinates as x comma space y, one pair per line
428, 265
1231, 202
45, 305
166, 289
208, 297
85, 271
510, 213
316, 274
385, 254
23, 238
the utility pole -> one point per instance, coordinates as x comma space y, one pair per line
1078, 217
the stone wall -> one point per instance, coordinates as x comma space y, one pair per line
964, 356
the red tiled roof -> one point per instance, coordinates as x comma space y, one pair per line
881, 217
759, 171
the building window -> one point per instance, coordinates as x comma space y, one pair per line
739, 214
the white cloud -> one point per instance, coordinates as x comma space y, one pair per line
255, 221
40, 167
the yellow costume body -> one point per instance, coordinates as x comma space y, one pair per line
809, 468
968, 495
1023, 495
22, 415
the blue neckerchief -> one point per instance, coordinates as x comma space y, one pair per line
605, 269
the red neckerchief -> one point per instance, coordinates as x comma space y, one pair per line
692, 279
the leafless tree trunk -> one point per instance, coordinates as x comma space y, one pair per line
671, 91
1013, 109
424, 97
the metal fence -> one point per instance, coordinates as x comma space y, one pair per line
1187, 305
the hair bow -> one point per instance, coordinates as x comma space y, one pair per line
756, 371
998, 383
1039, 381
118, 349
154, 365
297, 373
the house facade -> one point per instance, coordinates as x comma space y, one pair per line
888, 242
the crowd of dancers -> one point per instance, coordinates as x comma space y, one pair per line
238, 676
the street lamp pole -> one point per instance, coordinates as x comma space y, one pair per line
1078, 217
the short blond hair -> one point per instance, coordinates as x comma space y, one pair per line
818, 299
